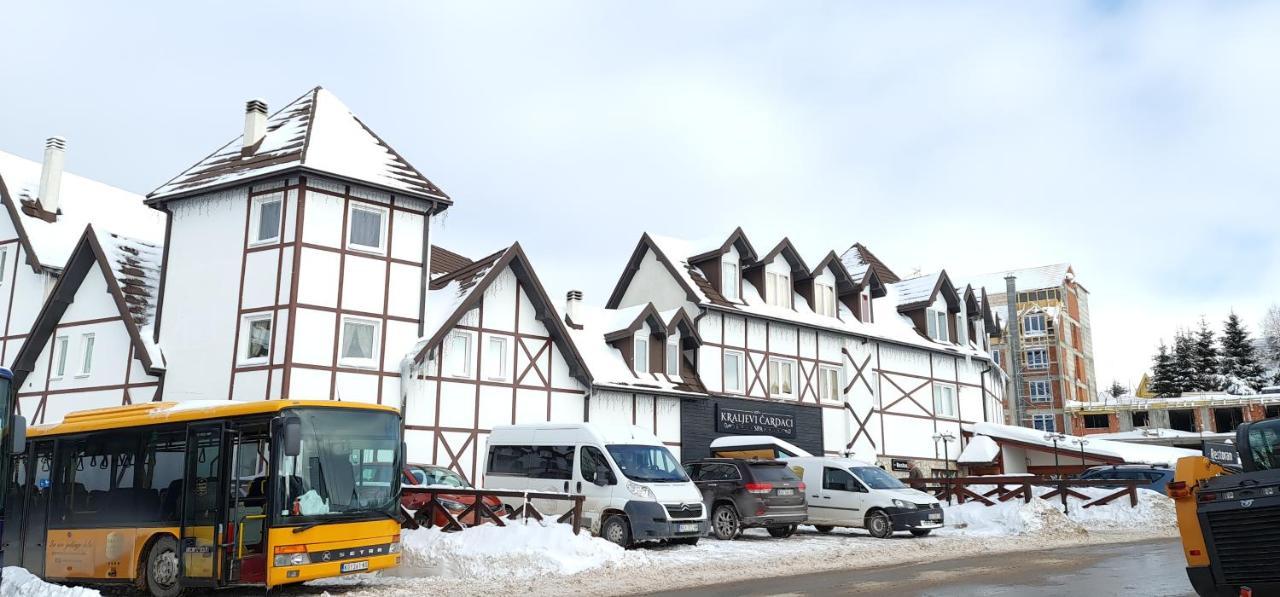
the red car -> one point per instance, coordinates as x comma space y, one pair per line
419, 476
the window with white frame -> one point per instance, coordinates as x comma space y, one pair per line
782, 378
59, 357
777, 289
936, 321
256, 331
1033, 324
359, 342
1037, 358
995, 358
640, 353
4, 263
944, 400
457, 354
673, 356
829, 383
824, 299
729, 280
1044, 423
265, 220
495, 358
366, 228
86, 354
962, 330
1038, 390
866, 315
734, 374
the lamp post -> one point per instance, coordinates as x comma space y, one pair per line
1082, 441
1055, 438
946, 438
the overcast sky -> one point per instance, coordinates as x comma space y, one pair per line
1140, 142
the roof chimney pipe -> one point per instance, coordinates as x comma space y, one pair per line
572, 302
255, 125
55, 150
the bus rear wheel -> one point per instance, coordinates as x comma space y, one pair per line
161, 568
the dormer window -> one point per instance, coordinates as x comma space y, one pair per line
865, 304
824, 300
962, 330
673, 355
937, 323
729, 280
640, 354
778, 289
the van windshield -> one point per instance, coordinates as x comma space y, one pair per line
876, 478
647, 464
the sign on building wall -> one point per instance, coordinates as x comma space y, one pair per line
755, 422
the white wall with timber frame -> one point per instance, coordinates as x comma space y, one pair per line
60, 382
221, 278
22, 290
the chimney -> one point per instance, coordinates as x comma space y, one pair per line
572, 302
55, 150
255, 124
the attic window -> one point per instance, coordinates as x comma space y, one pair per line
367, 228
962, 330
729, 280
640, 354
673, 355
777, 289
866, 306
824, 300
937, 323
266, 219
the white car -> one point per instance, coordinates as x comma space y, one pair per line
635, 489
842, 492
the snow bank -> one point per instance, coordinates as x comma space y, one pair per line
17, 582
1155, 511
517, 550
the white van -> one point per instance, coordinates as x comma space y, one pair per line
635, 488
842, 492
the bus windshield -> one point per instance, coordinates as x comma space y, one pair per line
345, 467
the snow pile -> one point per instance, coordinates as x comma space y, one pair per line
517, 550
17, 582
1154, 511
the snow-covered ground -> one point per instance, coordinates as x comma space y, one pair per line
16, 582
534, 560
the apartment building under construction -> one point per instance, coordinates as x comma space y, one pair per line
1054, 357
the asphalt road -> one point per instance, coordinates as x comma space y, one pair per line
1148, 568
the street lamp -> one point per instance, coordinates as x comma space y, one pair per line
1082, 441
946, 438
1055, 438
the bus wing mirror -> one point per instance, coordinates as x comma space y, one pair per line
19, 434
292, 436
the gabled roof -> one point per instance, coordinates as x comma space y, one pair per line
970, 301
679, 321
81, 202
314, 133
454, 294
591, 329
444, 261
845, 282
626, 322
132, 272
922, 291
738, 240
788, 252
858, 259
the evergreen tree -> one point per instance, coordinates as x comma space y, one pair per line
1271, 340
1183, 375
1161, 383
1238, 360
1206, 359
1116, 390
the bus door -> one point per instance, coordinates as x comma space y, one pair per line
27, 514
204, 510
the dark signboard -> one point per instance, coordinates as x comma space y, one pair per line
1222, 453
901, 465
755, 422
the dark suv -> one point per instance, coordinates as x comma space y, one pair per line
742, 494
1154, 478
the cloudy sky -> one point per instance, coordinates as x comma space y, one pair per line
1137, 141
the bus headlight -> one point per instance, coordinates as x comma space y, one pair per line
292, 559
394, 547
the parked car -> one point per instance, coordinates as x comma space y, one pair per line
425, 475
842, 492
1155, 478
742, 494
633, 486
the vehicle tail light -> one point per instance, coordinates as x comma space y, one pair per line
759, 487
1208, 497
800, 487
1195, 552
1179, 489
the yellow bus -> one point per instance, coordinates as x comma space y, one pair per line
172, 495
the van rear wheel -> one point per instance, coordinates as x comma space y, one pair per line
617, 530
161, 568
822, 528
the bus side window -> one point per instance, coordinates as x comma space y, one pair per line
162, 472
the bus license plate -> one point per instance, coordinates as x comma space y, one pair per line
687, 528
355, 566
786, 492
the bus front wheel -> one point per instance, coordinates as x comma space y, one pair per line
161, 571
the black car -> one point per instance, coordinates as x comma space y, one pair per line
1155, 478
742, 494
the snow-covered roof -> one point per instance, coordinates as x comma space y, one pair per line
981, 450
447, 294
1107, 403
588, 329
918, 289
1126, 452
858, 259
81, 202
136, 267
1146, 433
315, 132
751, 441
1031, 278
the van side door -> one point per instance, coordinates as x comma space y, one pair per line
842, 499
551, 471
595, 480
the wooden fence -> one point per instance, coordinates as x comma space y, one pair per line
480, 512
1003, 489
